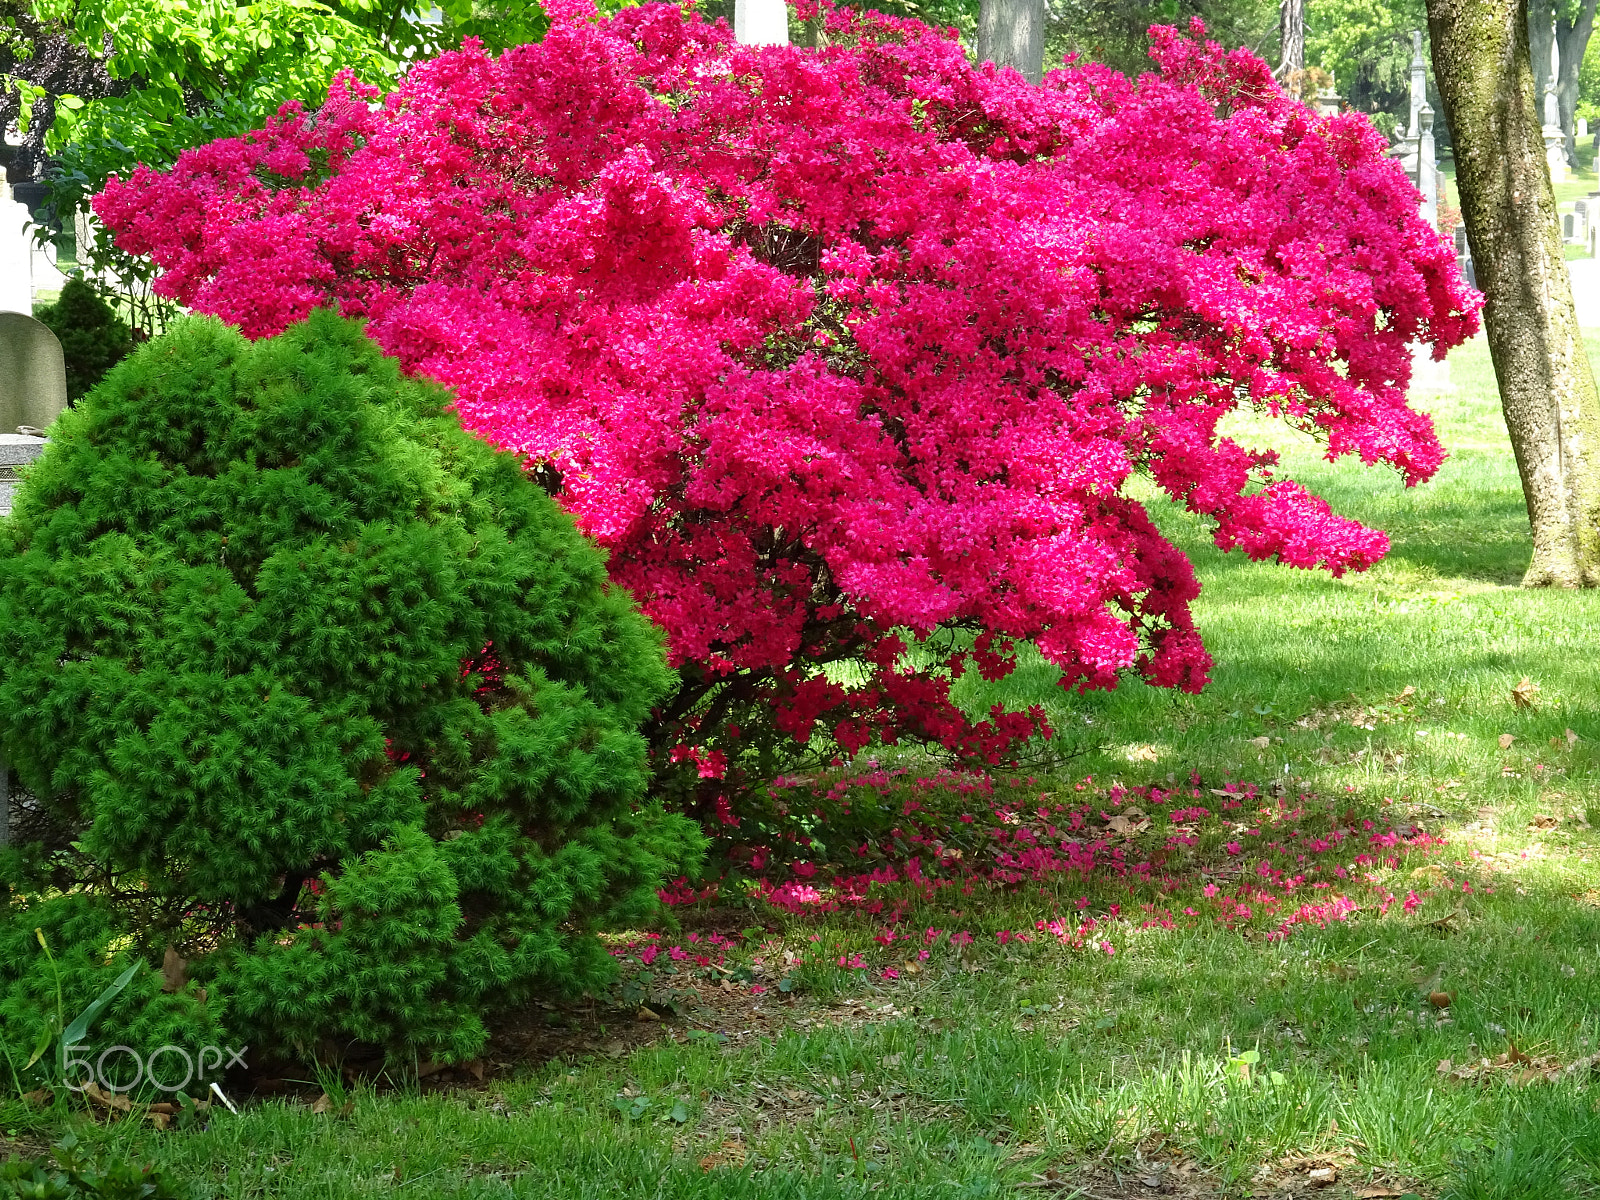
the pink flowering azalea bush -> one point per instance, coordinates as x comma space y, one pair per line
848, 355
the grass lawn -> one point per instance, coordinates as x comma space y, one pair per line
1436, 1036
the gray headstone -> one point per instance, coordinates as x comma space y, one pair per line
17, 450
33, 374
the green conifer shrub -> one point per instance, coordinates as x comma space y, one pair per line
93, 337
322, 692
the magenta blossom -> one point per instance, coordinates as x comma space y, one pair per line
836, 349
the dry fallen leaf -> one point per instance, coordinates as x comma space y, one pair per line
1505, 741
730, 1154
1440, 999
1572, 738
1377, 1192
111, 1101
1406, 694
1323, 1175
1261, 743
323, 1105
1544, 821
173, 974
1525, 693
1143, 754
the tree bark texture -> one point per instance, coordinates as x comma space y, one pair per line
1011, 34
1292, 45
1547, 389
1572, 36
1541, 35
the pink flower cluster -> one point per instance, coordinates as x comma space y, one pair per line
825, 344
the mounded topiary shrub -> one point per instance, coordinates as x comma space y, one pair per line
320, 691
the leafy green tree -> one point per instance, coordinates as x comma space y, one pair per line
1366, 46
1115, 33
103, 85
319, 690
1588, 105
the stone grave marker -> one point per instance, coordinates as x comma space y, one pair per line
33, 391
761, 22
33, 374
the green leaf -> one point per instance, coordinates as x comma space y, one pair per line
680, 1112
39, 1047
86, 1018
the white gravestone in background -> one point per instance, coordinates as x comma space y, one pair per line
1555, 142
1416, 150
761, 22
16, 253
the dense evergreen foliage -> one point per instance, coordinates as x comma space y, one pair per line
93, 337
320, 691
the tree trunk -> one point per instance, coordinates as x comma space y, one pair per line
1547, 390
1541, 36
1573, 39
1291, 70
1011, 34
